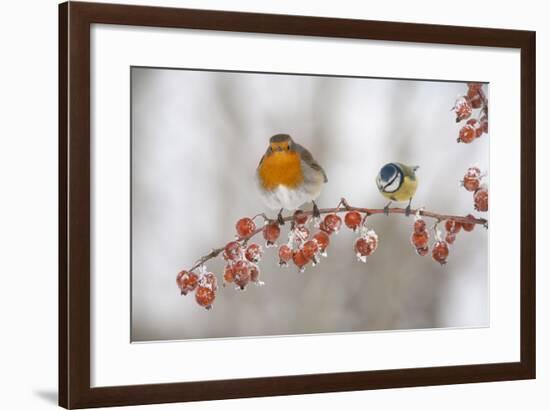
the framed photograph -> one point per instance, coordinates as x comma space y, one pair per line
257, 205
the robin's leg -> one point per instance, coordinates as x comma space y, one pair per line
408, 208
387, 208
280, 217
316, 213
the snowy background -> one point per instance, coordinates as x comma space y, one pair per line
197, 138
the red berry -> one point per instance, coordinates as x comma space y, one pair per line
245, 227
467, 134
481, 199
187, 281
300, 259
254, 273
366, 245
271, 232
462, 108
440, 252
452, 226
471, 184
484, 124
419, 226
476, 101
322, 240
205, 296
473, 89
450, 238
352, 220
299, 217
310, 248
285, 254
228, 274
420, 240
477, 126
469, 227
241, 274
232, 251
254, 252
423, 251
333, 223
472, 179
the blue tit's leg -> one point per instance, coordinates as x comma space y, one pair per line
280, 219
387, 208
316, 213
408, 208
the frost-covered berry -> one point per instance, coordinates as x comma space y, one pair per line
254, 273
245, 227
419, 226
205, 296
476, 101
469, 227
285, 255
310, 248
241, 274
472, 179
420, 240
484, 124
352, 219
452, 226
450, 238
300, 259
332, 223
322, 240
228, 273
232, 251
473, 89
302, 232
209, 280
253, 253
477, 126
440, 252
187, 281
462, 108
366, 245
300, 218
467, 134
271, 233
423, 251
481, 199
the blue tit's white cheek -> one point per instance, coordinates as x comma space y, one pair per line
394, 186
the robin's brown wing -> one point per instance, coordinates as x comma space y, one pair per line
308, 159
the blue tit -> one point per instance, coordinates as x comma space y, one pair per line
397, 182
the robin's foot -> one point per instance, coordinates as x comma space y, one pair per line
316, 212
387, 209
280, 218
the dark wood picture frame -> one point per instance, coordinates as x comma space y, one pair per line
75, 20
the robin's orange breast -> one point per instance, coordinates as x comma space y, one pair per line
281, 168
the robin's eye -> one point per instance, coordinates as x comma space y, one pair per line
288, 146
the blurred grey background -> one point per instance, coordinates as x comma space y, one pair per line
197, 138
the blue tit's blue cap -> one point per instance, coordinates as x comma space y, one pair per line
387, 172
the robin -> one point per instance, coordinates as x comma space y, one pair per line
289, 176
397, 182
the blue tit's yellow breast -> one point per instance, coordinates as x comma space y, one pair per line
281, 168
